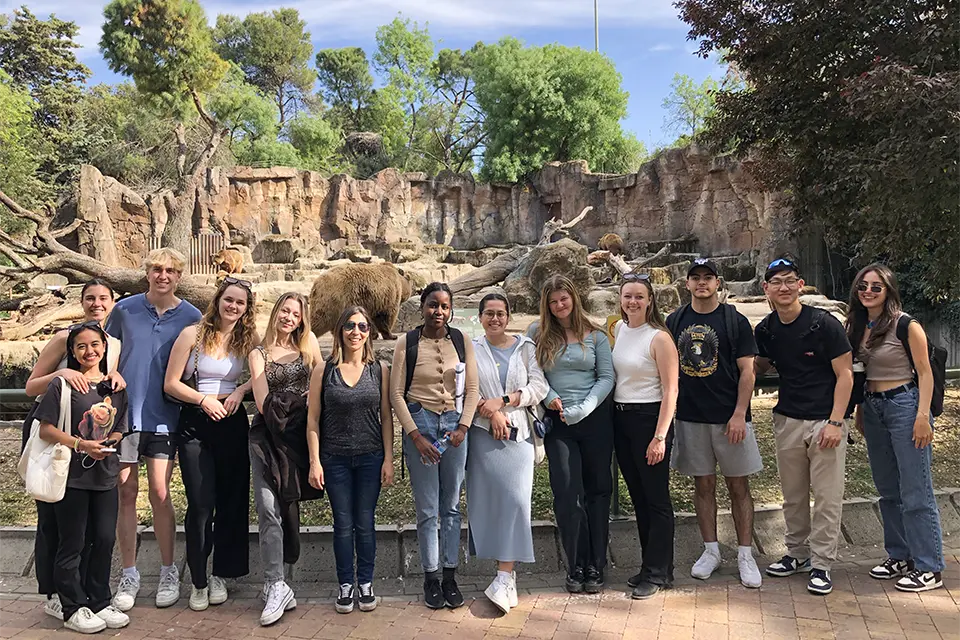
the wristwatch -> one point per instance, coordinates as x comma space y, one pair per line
659, 437
506, 400
835, 423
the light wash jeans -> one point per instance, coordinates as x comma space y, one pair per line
270, 523
436, 490
911, 518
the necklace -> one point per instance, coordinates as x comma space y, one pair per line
871, 324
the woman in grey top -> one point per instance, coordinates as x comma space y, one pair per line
501, 457
350, 436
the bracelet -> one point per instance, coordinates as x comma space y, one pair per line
76, 445
200, 404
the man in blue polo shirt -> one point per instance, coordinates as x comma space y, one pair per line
149, 324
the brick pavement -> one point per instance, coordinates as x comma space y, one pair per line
720, 608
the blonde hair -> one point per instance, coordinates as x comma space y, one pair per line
299, 337
653, 316
336, 356
162, 256
551, 338
242, 339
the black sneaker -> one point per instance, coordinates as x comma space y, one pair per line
634, 580
787, 566
451, 593
432, 595
367, 599
345, 599
644, 590
917, 581
593, 580
820, 582
575, 580
890, 568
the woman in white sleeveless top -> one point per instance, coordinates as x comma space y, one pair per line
647, 370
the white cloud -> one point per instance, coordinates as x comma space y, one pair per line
662, 47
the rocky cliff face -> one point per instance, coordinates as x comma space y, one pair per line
713, 204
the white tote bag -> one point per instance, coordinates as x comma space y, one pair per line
44, 466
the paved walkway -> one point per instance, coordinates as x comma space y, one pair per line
859, 607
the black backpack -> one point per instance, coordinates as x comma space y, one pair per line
764, 334
938, 363
729, 319
413, 346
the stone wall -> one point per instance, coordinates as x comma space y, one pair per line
686, 193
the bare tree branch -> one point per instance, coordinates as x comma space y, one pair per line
67, 230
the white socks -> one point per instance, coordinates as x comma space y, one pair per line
505, 576
131, 572
164, 570
745, 551
712, 547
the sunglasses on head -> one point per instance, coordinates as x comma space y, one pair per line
874, 288
351, 325
246, 284
89, 324
780, 262
629, 277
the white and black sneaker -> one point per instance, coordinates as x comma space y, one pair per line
787, 566
820, 582
917, 581
890, 568
344, 602
367, 601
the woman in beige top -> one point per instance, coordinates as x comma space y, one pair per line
896, 422
433, 389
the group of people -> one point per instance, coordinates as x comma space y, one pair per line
152, 378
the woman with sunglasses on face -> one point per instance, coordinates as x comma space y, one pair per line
280, 370
96, 299
350, 437
501, 460
648, 370
575, 357
896, 422
433, 390
87, 514
212, 438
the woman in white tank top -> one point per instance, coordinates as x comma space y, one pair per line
212, 438
647, 369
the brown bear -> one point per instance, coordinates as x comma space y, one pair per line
379, 288
228, 262
611, 242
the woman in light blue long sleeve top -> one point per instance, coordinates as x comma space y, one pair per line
576, 360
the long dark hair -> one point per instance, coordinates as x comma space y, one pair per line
76, 330
96, 282
336, 355
856, 323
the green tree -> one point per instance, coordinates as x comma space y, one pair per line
167, 48
688, 106
547, 103
851, 108
457, 124
19, 155
347, 86
274, 51
317, 142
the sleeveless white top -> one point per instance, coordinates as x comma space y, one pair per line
214, 377
638, 379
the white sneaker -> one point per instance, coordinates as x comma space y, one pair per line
279, 599
168, 591
127, 592
749, 571
83, 621
114, 619
514, 599
199, 599
499, 593
706, 565
218, 590
52, 607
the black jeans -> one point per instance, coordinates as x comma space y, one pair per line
649, 486
45, 547
87, 523
215, 467
579, 457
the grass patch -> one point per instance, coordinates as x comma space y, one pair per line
396, 502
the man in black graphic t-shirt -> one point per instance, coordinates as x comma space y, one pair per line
713, 426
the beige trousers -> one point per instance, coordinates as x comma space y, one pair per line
804, 466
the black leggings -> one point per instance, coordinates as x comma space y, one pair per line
649, 487
87, 523
215, 467
579, 459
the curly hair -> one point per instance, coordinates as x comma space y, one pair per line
551, 338
244, 336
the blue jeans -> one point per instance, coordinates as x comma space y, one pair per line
353, 486
436, 490
911, 518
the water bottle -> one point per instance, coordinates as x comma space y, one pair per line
440, 445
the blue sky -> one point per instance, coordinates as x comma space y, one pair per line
644, 38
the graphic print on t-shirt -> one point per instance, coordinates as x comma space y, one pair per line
699, 346
97, 421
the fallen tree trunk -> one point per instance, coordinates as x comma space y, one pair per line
556, 225
29, 324
489, 274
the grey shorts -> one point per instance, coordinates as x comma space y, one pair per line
699, 447
143, 444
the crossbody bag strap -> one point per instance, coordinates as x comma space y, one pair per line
64, 419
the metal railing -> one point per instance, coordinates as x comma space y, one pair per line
203, 247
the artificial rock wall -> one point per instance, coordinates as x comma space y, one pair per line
685, 193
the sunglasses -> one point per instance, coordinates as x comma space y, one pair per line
89, 324
246, 284
631, 277
874, 288
351, 325
780, 262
